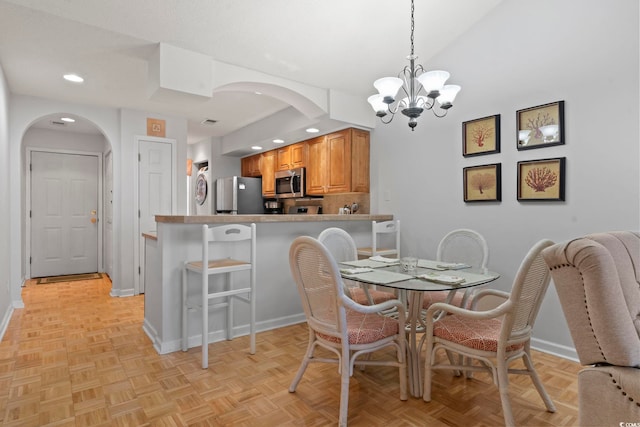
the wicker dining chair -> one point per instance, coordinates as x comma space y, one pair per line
460, 246
494, 338
343, 248
339, 324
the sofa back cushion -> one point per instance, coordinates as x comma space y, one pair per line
597, 278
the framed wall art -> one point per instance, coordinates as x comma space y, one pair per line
156, 127
541, 179
481, 136
482, 183
540, 126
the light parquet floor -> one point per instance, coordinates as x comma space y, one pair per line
74, 356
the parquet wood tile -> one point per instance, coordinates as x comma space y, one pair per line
74, 356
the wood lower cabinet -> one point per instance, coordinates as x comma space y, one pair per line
268, 172
250, 166
292, 156
338, 163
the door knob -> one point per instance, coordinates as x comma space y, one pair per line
94, 220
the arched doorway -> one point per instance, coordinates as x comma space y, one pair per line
68, 197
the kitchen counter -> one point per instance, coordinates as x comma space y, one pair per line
179, 239
239, 219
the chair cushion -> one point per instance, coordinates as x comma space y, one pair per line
358, 295
441, 296
366, 328
478, 334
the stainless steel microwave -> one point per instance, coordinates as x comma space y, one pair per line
290, 183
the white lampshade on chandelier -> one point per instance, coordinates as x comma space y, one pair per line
422, 90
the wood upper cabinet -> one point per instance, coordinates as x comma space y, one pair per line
360, 161
318, 159
292, 156
338, 163
250, 166
268, 169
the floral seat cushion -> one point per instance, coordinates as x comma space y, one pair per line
478, 334
366, 328
358, 295
441, 296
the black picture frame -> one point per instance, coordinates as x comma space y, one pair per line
542, 180
541, 126
481, 136
482, 183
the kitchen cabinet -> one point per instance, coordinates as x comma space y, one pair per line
359, 161
292, 156
250, 166
268, 170
338, 163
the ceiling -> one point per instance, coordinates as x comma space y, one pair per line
328, 44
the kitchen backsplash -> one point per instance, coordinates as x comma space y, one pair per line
331, 203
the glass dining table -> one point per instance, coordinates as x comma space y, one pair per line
428, 276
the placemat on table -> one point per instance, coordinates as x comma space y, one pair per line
379, 277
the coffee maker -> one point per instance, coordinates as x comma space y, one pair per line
272, 207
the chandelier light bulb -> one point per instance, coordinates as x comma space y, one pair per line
433, 82
447, 95
378, 105
388, 87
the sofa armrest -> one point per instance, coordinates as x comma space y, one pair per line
609, 396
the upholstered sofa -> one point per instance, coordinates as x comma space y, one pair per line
597, 278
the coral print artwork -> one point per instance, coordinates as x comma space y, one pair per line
541, 126
481, 136
541, 179
482, 183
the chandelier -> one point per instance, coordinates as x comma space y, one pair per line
423, 90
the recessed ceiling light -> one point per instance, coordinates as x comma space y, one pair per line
278, 141
256, 147
313, 130
73, 78
258, 93
67, 119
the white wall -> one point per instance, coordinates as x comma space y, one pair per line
582, 52
134, 123
6, 307
61, 140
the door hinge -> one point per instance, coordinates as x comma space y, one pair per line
139, 270
30, 260
29, 214
138, 213
30, 167
139, 157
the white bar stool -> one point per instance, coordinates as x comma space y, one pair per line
378, 229
226, 235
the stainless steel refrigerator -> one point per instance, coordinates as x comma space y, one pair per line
239, 195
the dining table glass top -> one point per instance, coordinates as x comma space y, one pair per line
429, 275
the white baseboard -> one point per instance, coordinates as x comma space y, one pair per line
220, 335
555, 349
5, 321
122, 292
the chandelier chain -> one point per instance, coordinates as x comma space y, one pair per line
412, 26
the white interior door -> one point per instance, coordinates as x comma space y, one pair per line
155, 191
64, 214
